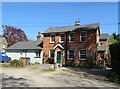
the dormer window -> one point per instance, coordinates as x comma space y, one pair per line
83, 36
62, 37
52, 38
72, 37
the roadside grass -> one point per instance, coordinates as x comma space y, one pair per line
113, 77
49, 70
36, 63
4, 65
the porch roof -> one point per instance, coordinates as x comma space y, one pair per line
101, 48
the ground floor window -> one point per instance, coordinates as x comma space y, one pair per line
82, 54
38, 53
51, 54
70, 54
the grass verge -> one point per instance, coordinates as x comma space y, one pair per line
49, 70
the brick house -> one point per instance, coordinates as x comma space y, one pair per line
103, 46
71, 44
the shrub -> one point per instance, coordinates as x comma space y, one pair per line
113, 77
115, 57
16, 63
49, 70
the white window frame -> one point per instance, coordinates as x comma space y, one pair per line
39, 54
83, 36
60, 38
82, 54
50, 54
51, 38
70, 37
68, 54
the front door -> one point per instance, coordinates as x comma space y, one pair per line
58, 56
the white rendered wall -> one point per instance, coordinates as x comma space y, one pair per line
31, 54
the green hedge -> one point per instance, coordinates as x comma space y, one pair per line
115, 57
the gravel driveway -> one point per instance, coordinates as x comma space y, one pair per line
62, 77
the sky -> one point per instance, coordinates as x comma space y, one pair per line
34, 17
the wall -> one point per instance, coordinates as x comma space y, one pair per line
16, 54
90, 45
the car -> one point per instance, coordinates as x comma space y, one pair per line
4, 58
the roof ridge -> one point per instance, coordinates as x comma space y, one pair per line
75, 26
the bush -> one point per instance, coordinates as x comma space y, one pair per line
113, 77
16, 63
115, 57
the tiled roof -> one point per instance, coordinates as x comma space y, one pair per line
72, 28
103, 36
27, 45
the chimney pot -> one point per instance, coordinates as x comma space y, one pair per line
39, 36
77, 23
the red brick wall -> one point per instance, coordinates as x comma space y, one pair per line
90, 45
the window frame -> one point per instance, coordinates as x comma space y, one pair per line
101, 42
71, 37
82, 54
50, 54
68, 55
61, 37
83, 36
39, 54
51, 38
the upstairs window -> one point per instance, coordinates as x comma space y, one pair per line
82, 54
52, 38
83, 37
51, 54
62, 37
70, 54
101, 43
72, 37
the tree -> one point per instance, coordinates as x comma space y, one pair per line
13, 35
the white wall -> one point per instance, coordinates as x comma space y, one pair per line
30, 53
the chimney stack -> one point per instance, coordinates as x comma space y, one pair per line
39, 36
77, 23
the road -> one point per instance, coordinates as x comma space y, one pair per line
62, 77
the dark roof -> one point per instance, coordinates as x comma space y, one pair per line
101, 48
72, 28
103, 36
27, 45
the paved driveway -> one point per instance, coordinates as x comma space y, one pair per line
62, 77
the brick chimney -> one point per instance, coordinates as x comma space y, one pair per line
77, 23
39, 36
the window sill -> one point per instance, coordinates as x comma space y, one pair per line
61, 41
52, 42
82, 59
